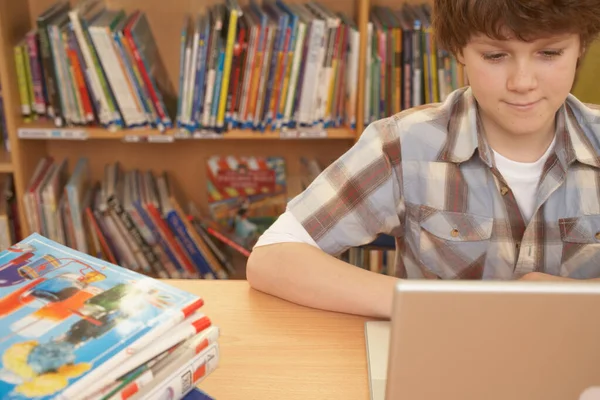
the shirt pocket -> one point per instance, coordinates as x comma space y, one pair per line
580, 236
454, 245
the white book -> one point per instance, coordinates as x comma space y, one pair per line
313, 68
293, 82
95, 86
104, 44
351, 86
368, 60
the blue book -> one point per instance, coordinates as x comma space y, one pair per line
67, 318
197, 394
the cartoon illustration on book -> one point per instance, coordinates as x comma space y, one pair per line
246, 194
61, 312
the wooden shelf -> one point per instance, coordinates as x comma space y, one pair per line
6, 165
44, 131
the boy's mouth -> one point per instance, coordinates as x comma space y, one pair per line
523, 105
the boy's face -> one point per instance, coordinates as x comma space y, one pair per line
520, 85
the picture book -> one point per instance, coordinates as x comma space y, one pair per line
246, 194
67, 318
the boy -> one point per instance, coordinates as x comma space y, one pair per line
501, 181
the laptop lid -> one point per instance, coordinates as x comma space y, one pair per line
494, 340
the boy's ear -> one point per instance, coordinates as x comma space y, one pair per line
459, 57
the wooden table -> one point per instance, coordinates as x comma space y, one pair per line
273, 349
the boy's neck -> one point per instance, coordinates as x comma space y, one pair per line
524, 148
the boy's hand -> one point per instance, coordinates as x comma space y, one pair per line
541, 277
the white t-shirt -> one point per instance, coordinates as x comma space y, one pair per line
522, 178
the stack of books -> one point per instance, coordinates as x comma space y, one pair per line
76, 327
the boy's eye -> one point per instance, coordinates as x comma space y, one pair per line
493, 56
551, 53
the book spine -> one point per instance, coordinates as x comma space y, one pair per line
136, 85
294, 74
178, 269
241, 112
233, 16
234, 92
255, 77
198, 105
91, 72
153, 261
175, 245
36, 73
48, 69
72, 52
22, 80
75, 100
179, 229
29, 77
195, 370
151, 87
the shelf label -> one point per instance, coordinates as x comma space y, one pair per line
40, 133
303, 133
133, 138
208, 135
201, 134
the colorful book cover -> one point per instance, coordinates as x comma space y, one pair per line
66, 318
246, 194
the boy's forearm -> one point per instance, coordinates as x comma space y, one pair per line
305, 275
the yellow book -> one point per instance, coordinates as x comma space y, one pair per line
22, 80
435, 87
397, 107
231, 33
286, 79
330, 95
426, 65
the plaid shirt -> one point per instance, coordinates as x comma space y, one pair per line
427, 177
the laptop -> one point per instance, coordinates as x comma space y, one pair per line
492, 340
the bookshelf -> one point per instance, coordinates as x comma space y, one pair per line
148, 148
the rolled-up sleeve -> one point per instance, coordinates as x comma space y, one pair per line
358, 196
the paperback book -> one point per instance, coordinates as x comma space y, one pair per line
76, 327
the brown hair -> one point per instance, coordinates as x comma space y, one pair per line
455, 21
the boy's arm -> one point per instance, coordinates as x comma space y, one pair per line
349, 204
306, 275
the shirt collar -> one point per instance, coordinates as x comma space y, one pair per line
573, 119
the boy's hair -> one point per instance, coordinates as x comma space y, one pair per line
455, 21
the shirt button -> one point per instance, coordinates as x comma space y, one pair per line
454, 233
504, 190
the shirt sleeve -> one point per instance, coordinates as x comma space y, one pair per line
358, 196
285, 229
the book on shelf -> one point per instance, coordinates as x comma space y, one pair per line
246, 194
270, 65
75, 326
404, 67
136, 219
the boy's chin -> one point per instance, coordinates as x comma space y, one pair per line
526, 129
